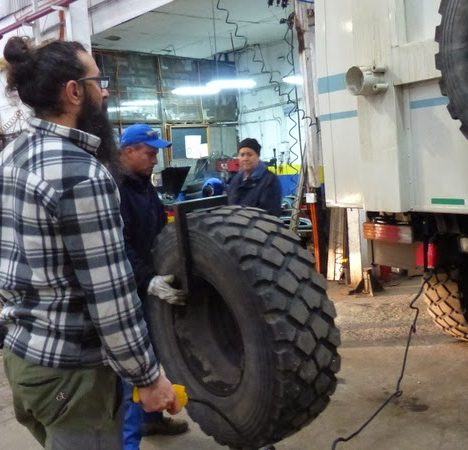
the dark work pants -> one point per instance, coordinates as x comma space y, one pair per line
67, 409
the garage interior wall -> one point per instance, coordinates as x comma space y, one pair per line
140, 91
272, 112
262, 112
266, 112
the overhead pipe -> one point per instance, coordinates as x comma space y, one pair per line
35, 16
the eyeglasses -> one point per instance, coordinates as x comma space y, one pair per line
102, 81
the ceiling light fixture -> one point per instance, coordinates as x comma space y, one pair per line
215, 86
235, 83
196, 90
142, 102
122, 109
294, 79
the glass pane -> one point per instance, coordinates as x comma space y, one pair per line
138, 82
223, 106
136, 104
133, 87
178, 72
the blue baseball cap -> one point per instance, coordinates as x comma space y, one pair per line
141, 133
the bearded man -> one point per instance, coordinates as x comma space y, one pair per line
68, 292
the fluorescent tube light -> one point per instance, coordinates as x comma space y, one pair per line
294, 79
122, 109
195, 90
233, 83
142, 102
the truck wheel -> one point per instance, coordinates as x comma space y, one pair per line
256, 340
452, 59
443, 299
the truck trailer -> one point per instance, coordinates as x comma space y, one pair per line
391, 77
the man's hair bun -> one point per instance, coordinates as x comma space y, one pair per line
17, 50
37, 73
19, 56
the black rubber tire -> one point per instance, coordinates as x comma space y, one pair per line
441, 293
257, 338
452, 59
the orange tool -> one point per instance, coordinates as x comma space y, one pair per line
180, 391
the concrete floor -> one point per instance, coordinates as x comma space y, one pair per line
430, 414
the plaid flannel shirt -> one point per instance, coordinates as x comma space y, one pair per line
65, 281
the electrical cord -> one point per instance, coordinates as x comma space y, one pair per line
294, 117
236, 26
283, 3
398, 392
295, 114
10, 124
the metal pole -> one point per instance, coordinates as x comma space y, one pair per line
35, 25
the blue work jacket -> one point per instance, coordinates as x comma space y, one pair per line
144, 218
261, 190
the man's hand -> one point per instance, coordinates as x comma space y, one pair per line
160, 396
160, 287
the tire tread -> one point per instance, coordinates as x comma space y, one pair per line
295, 308
442, 297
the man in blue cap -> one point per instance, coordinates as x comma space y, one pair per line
144, 218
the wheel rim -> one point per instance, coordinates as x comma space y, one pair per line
219, 365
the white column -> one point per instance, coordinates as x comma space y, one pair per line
359, 256
77, 22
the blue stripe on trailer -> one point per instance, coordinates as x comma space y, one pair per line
338, 115
332, 83
429, 102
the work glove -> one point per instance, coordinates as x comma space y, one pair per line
160, 286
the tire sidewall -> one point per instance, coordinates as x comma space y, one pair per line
223, 273
452, 36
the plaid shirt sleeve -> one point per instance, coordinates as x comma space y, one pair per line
90, 223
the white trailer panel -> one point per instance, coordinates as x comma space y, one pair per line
396, 151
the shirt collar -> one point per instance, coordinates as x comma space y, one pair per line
86, 141
135, 179
257, 173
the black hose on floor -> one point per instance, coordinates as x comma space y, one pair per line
398, 392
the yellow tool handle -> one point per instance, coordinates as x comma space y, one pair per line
180, 391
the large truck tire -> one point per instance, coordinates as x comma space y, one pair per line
257, 339
452, 59
442, 296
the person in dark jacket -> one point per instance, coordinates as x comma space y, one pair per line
254, 185
144, 218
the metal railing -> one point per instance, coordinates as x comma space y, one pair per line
40, 10
23, 7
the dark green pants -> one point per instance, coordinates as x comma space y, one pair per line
66, 409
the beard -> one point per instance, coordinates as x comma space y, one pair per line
93, 119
